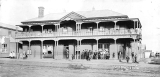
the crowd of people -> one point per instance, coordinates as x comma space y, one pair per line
24, 54
104, 54
89, 54
86, 54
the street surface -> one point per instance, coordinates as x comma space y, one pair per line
76, 68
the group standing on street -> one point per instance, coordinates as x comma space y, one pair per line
89, 54
24, 54
86, 54
133, 56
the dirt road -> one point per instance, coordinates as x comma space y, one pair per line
17, 68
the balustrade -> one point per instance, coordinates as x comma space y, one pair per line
83, 32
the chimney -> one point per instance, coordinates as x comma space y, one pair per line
41, 12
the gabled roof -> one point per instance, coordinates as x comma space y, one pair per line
72, 15
79, 14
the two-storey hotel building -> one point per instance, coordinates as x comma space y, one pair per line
50, 36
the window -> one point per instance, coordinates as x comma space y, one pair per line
9, 32
4, 48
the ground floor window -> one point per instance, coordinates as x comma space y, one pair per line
4, 48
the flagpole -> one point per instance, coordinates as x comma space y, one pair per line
16, 44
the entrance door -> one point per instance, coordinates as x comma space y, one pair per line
104, 50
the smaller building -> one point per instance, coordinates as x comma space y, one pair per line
7, 39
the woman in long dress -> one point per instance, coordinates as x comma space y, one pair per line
11, 55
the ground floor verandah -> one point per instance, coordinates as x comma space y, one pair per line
76, 49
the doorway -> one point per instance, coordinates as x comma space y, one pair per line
103, 49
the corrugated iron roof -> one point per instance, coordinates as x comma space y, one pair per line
9, 26
52, 16
86, 14
99, 13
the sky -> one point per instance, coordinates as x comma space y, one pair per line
148, 11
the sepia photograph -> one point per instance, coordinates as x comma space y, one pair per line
79, 38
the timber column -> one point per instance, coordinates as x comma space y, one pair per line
97, 48
42, 28
29, 47
116, 51
56, 50
17, 49
115, 24
80, 48
41, 49
57, 27
134, 45
77, 50
134, 24
97, 27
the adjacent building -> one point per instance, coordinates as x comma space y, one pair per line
7, 39
67, 34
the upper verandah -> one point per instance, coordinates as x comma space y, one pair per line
80, 15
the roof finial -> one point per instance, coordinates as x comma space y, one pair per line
93, 8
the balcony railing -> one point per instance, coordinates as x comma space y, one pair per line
79, 33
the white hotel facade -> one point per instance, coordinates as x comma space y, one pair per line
95, 30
